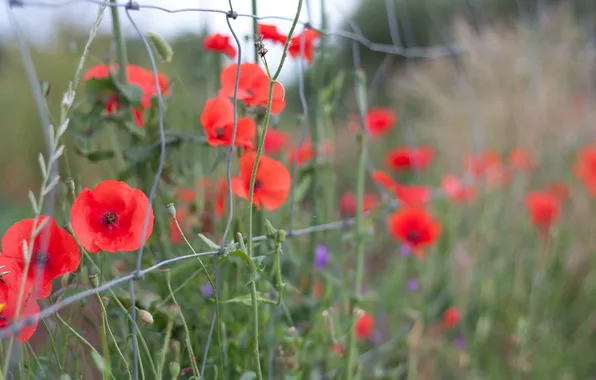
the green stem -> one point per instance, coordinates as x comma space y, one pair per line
193, 362
253, 286
255, 28
121, 55
359, 244
164, 349
104, 314
193, 251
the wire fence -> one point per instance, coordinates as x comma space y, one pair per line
133, 10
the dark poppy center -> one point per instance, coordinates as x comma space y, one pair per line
258, 184
110, 218
219, 133
413, 237
42, 258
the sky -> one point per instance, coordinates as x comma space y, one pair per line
38, 23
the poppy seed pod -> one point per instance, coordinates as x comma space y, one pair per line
146, 316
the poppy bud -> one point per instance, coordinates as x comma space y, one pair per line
358, 312
94, 280
171, 210
65, 376
174, 370
176, 349
271, 231
70, 183
146, 316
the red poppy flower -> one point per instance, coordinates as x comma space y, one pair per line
451, 317
275, 141
412, 195
378, 121
305, 153
219, 43
9, 301
456, 190
138, 76
414, 227
384, 180
271, 33
544, 208
111, 217
408, 158
479, 164
365, 326
218, 120
347, 203
253, 87
272, 181
309, 39
585, 168
520, 160
58, 255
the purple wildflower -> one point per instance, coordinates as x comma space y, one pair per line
460, 342
207, 290
406, 250
321, 256
412, 284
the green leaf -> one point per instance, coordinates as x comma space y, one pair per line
144, 153
209, 242
244, 256
245, 299
100, 155
96, 87
134, 128
302, 189
99, 362
249, 375
132, 93
258, 261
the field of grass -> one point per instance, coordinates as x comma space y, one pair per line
469, 256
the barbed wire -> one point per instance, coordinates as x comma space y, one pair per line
357, 39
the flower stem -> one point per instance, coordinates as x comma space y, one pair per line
121, 55
193, 361
255, 29
359, 244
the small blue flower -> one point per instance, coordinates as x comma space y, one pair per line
406, 250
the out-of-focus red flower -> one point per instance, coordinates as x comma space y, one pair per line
559, 190
138, 76
479, 164
218, 120
305, 152
409, 158
219, 43
271, 33
456, 190
365, 326
337, 348
51, 258
111, 217
384, 180
520, 160
253, 87
317, 290
451, 317
9, 304
275, 141
347, 203
272, 181
310, 36
414, 227
378, 121
544, 208
412, 195
585, 168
